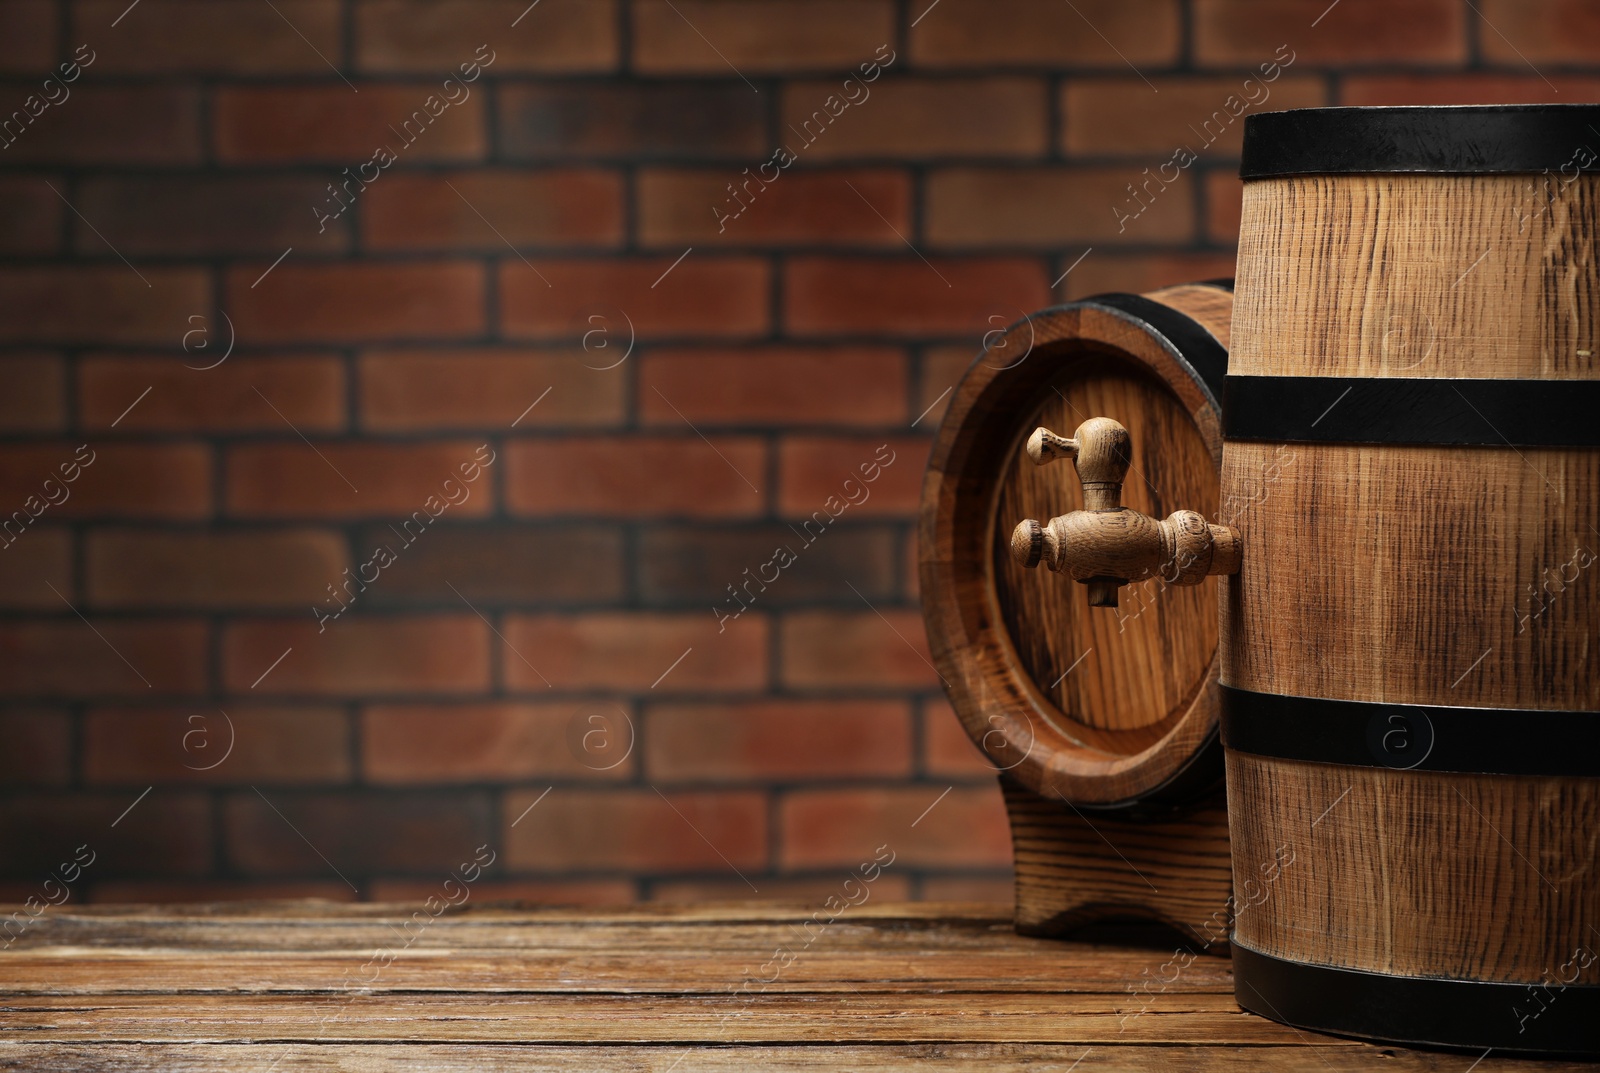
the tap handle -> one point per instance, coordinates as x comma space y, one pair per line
1107, 545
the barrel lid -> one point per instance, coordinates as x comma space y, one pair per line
1100, 707
1471, 139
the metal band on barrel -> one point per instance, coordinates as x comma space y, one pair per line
1412, 410
1412, 737
1417, 1010
1460, 140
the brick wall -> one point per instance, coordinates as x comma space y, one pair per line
241, 347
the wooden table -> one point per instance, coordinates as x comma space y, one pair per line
884, 987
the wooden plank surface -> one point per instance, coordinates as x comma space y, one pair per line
300, 986
886, 1058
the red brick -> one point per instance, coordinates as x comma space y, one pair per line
1559, 31
809, 892
113, 125
874, 649
219, 37
100, 304
692, 566
636, 476
813, 469
1467, 88
778, 740
27, 36
358, 656
169, 892
1120, 116
405, 390
416, 744
357, 302
582, 893
1138, 273
131, 480
842, 828
998, 891
999, 117
30, 215
38, 748
947, 750
430, 833
604, 120
1046, 33
621, 830
330, 123
1224, 195
774, 386
794, 208
392, 480
195, 744
904, 296
63, 657
487, 210
35, 395
429, 36
633, 650
242, 394
142, 568
168, 834
225, 214
973, 208
702, 295
504, 565
1231, 33
779, 36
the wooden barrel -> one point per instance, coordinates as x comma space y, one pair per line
1102, 722
1411, 683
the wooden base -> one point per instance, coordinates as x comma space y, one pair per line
1076, 867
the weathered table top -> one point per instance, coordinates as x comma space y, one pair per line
302, 986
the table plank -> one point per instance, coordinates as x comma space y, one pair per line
279, 987
802, 1058
494, 950
603, 1018
86, 971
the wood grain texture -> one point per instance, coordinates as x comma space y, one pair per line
600, 1019
1417, 575
1209, 306
1418, 275
262, 949
907, 987
1449, 576
1073, 868
1093, 706
1326, 1056
1417, 873
1150, 653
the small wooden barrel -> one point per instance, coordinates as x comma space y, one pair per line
1411, 681
1102, 723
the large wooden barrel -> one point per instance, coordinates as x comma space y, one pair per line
1103, 723
1411, 682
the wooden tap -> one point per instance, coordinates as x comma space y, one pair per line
1107, 545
